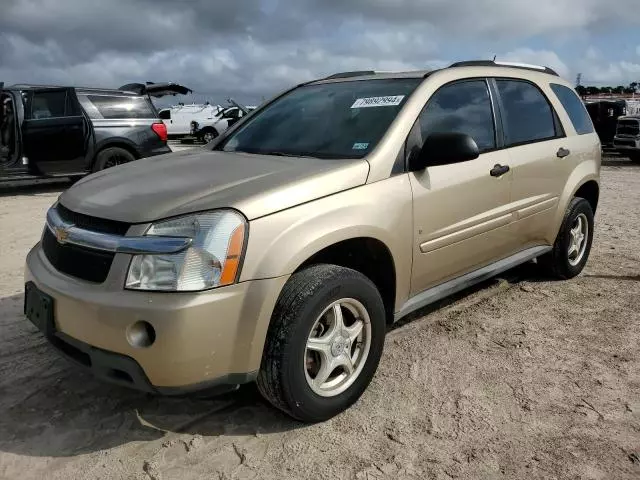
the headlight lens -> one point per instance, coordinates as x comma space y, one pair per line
212, 260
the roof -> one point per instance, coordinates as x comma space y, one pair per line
106, 91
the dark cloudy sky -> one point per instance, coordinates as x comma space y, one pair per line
254, 48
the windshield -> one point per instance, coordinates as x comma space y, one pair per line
333, 120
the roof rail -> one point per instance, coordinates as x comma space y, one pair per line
493, 63
356, 73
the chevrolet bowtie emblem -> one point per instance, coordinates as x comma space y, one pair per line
62, 234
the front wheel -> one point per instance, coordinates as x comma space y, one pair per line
208, 135
324, 343
573, 243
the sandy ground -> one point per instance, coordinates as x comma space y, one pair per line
520, 378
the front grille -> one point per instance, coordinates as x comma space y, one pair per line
624, 143
84, 263
92, 223
628, 127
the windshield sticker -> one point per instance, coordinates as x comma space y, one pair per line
389, 101
360, 146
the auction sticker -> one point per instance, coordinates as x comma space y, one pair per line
389, 101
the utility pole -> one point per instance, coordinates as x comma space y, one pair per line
578, 79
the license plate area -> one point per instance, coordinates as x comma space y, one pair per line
38, 307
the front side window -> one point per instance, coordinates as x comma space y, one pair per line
231, 113
575, 108
331, 120
463, 107
528, 116
116, 106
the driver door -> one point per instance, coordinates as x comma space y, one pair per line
461, 217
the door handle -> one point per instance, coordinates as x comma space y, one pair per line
563, 152
499, 170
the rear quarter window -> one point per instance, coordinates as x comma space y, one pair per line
574, 107
116, 107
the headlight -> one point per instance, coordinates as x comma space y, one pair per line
212, 260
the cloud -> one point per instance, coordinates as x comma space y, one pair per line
255, 48
537, 57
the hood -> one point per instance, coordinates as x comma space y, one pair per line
199, 179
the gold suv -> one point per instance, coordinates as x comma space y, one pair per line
281, 251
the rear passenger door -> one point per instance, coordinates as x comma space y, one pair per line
461, 218
54, 131
539, 156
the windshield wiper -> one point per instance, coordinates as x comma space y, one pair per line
278, 153
285, 154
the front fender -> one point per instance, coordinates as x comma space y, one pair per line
279, 243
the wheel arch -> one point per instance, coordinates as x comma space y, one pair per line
367, 255
584, 182
120, 143
209, 128
590, 191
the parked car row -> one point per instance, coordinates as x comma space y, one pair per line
617, 127
209, 129
178, 118
627, 138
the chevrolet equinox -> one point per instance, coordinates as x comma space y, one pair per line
280, 252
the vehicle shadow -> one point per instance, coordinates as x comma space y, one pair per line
614, 159
34, 187
630, 278
52, 408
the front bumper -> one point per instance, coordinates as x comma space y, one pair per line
161, 150
202, 340
626, 143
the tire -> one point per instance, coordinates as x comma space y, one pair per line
559, 263
208, 135
110, 157
634, 157
285, 375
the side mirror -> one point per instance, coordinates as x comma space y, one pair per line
444, 148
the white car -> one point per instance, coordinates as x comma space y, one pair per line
209, 129
178, 118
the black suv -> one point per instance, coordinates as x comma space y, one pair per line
70, 131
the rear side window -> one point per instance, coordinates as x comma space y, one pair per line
165, 114
463, 107
48, 104
116, 107
575, 108
528, 116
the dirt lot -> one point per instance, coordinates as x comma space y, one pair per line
521, 378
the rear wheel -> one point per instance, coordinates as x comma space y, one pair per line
324, 342
111, 157
573, 243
